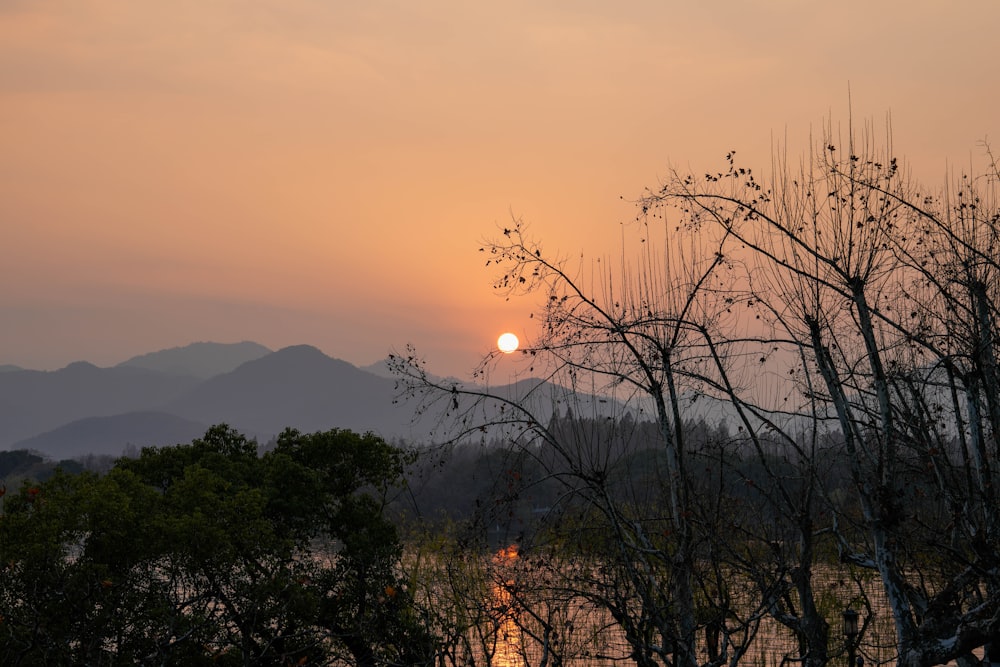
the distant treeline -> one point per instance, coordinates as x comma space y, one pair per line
24, 464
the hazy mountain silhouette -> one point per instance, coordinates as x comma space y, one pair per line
379, 368
111, 435
33, 402
9, 368
201, 360
296, 386
83, 409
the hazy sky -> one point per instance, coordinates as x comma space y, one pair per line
323, 171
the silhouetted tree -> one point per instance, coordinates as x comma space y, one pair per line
889, 294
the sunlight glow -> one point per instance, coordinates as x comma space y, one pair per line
507, 343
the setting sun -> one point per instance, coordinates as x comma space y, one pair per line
507, 343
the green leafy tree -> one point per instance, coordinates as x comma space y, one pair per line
208, 553
341, 483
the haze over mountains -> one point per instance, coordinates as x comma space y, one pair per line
173, 396
201, 360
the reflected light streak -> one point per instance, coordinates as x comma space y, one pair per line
509, 649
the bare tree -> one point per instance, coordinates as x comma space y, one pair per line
888, 291
642, 337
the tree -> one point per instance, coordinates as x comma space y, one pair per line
206, 553
874, 300
888, 292
339, 481
646, 341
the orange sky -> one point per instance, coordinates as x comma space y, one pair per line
323, 171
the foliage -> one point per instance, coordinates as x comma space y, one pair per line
206, 554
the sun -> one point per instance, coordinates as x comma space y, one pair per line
507, 342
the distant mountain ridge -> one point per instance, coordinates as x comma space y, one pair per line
33, 402
173, 396
201, 360
164, 398
92, 435
296, 386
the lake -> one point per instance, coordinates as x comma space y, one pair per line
511, 622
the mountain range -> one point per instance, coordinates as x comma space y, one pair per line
172, 396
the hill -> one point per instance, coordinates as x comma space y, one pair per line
83, 409
112, 435
296, 386
200, 360
33, 402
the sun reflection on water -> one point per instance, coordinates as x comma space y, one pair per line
509, 646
